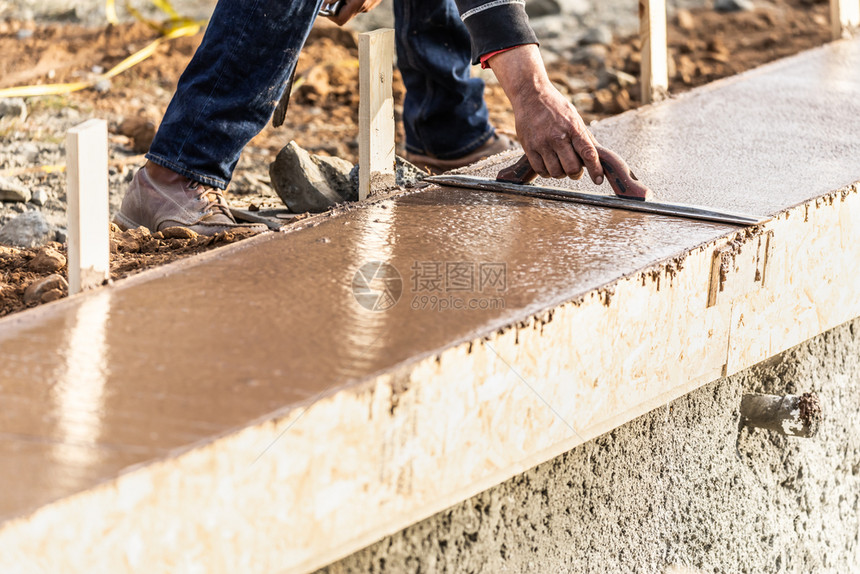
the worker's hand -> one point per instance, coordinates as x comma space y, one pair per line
551, 131
351, 8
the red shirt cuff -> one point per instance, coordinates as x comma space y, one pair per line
485, 63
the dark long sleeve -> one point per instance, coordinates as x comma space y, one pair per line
495, 25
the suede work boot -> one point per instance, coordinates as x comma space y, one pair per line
159, 198
497, 144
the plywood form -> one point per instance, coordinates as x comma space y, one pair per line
655, 54
406, 444
89, 236
375, 111
844, 16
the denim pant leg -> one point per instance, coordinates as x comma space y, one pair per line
231, 87
444, 114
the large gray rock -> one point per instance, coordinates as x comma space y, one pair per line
313, 183
27, 230
13, 190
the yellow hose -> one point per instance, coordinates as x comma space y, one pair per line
175, 27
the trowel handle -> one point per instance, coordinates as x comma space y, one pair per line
621, 179
521, 172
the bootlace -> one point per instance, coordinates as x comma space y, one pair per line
216, 202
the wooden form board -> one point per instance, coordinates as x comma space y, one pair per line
375, 112
408, 443
655, 64
88, 208
844, 15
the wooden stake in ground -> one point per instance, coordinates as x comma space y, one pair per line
655, 65
88, 212
375, 112
844, 15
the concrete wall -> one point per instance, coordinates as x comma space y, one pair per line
678, 490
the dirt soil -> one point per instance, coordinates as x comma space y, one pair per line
323, 115
30, 277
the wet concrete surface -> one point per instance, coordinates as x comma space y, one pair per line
95, 384
756, 143
127, 374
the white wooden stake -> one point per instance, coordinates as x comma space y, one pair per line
375, 112
655, 54
88, 211
844, 15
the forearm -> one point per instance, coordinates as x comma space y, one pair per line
550, 130
522, 74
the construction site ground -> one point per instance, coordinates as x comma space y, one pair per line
600, 80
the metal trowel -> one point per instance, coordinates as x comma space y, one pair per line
622, 180
630, 193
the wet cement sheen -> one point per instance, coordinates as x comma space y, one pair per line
756, 143
124, 375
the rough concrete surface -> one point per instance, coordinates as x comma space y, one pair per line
680, 489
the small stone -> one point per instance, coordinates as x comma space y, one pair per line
61, 235
27, 230
593, 55
601, 35
47, 260
42, 287
550, 57
8, 252
40, 197
131, 241
29, 151
685, 20
13, 190
102, 86
178, 233
13, 108
609, 77
575, 7
549, 29
583, 102
140, 130
24, 34
307, 183
407, 174
52, 295
604, 102
538, 8
733, 5
685, 69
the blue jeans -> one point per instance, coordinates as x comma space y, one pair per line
233, 83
